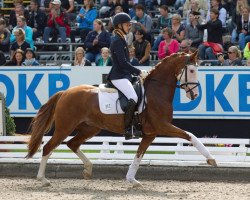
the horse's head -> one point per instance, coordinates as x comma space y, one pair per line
181, 66
187, 76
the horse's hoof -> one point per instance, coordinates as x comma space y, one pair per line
45, 182
137, 184
86, 175
212, 162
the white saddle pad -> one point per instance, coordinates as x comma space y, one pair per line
109, 103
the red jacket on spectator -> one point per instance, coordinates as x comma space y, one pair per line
60, 20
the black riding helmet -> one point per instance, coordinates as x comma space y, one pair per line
121, 18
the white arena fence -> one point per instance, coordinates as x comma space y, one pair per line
117, 150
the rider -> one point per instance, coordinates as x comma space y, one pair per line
122, 71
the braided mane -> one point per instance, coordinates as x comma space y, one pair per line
167, 60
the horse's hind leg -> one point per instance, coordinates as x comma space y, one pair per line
56, 140
84, 133
146, 141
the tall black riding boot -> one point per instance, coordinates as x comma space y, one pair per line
130, 130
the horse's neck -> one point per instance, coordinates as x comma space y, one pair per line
164, 82
164, 75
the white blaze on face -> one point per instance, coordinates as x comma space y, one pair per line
191, 78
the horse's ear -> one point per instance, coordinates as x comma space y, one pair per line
194, 57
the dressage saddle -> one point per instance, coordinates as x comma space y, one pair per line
124, 100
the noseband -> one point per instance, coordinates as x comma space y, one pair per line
186, 83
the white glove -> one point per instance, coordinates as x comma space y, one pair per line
143, 74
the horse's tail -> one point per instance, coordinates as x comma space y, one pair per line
41, 124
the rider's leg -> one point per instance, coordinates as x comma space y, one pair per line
125, 86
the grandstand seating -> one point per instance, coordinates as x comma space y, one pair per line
6, 6
59, 57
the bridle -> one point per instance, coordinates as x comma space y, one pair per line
186, 83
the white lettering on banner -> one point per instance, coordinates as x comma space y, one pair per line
224, 91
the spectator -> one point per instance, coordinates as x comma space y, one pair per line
17, 59
44, 5
178, 5
20, 42
194, 7
67, 6
216, 4
4, 36
104, 10
21, 23
185, 46
130, 38
149, 4
234, 57
168, 46
30, 58
236, 17
80, 60
168, 2
122, 3
95, 41
142, 48
247, 51
243, 27
164, 20
229, 5
132, 59
144, 21
132, 4
203, 5
214, 37
118, 9
57, 22
105, 59
109, 9
37, 20
240, 4
194, 35
248, 62
85, 18
18, 11
178, 28
2, 59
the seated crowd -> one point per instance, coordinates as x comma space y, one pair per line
218, 29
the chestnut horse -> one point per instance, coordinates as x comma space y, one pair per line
78, 109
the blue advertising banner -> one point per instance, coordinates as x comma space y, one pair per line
224, 91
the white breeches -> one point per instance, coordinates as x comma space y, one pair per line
125, 86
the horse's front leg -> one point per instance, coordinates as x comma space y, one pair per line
173, 131
146, 141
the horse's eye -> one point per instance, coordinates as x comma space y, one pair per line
191, 71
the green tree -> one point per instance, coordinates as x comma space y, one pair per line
10, 124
